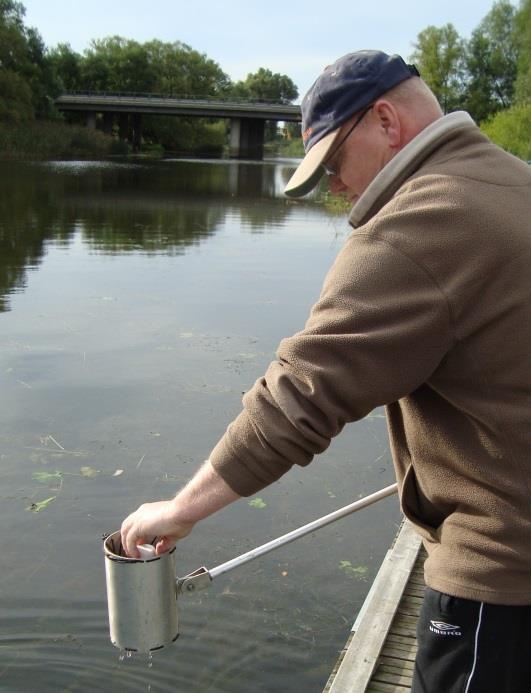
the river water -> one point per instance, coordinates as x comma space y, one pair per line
138, 301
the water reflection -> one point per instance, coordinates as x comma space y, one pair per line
164, 207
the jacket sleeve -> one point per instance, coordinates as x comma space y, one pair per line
379, 329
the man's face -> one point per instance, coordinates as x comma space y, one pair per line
360, 158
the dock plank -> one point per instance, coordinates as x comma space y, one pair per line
393, 663
379, 687
406, 655
379, 617
380, 653
383, 676
396, 664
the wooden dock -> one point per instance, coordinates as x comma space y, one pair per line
379, 654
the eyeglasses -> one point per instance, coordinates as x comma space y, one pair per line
335, 171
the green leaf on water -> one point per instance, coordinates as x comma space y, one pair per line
89, 471
357, 571
45, 477
41, 505
257, 503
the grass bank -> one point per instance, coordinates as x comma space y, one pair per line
51, 140
289, 148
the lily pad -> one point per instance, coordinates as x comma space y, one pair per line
41, 505
45, 477
257, 503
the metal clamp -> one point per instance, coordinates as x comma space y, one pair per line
200, 579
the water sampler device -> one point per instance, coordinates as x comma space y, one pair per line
142, 593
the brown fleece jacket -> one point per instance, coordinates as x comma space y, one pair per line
427, 309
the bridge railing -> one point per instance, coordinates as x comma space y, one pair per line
181, 97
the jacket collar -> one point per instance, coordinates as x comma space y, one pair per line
401, 166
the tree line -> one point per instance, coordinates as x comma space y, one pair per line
489, 75
489, 72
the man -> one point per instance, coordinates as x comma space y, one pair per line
427, 310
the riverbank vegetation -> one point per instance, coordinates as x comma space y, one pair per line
511, 129
52, 139
489, 75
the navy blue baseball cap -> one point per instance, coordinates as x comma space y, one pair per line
352, 83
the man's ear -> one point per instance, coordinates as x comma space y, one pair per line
389, 121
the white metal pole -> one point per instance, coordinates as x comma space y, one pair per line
301, 531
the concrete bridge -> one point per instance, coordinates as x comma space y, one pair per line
247, 118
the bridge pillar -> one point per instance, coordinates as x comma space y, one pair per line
123, 126
108, 122
137, 131
246, 138
90, 119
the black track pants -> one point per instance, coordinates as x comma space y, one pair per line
472, 647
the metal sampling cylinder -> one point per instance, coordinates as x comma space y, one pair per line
141, 598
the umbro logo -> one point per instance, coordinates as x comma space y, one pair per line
442, 628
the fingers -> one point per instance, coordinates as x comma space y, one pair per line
130, 539
164, 544
152, 520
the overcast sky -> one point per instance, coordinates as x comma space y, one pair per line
289, 36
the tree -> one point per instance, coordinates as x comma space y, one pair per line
15, 98
27, 81
182, 70
15, 92
117, 64
522, 37
42, 79
439, 56
12, 14
510, 129
491, 62
265, 85
66, 65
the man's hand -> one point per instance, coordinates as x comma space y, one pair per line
154, 520
171, 520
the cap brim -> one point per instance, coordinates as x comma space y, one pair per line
309, 172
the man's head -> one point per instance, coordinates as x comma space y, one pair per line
365, 97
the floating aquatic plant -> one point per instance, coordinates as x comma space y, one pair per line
358, 571
41, 505
45, 477
89, 471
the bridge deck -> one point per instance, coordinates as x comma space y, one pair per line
161, 105
379, 654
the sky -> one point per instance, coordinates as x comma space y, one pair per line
291, 37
